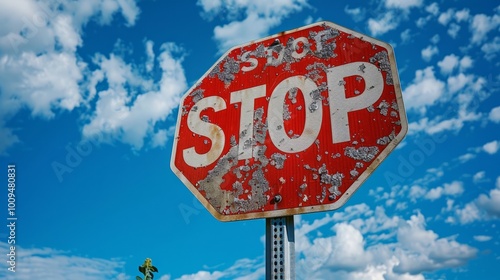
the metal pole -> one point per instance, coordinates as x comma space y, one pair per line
280, 248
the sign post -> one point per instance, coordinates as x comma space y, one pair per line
280, 248
289, 124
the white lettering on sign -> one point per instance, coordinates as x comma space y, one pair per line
275, 119
247, 98
340, 106
274, 55
209, 130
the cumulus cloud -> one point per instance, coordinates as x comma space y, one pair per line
485, 207
482, 238
433, 9
425, 90
357, 14
403, 5
47, 263
491, 147
479, 177
412, 251
481, 25
491, 48
40, 68
452, 62
454, 188
429, 52
132, 106
383, 24
494, 115
249, 20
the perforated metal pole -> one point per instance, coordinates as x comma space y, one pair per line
280, 248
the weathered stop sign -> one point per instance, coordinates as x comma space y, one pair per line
289, 124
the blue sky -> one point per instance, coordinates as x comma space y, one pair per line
89, 92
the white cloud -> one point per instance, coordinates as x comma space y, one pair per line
482, 238
243, 269
435, 39
422, 250
122, 113
249, 20
445, 17
466, 62
479, 177
491, 49
429, 52
481, 25
453, 30
491, 202
454, 188
432, 9
357, 14
46, 263
383, 24
448, 64
40, 69
406, 35
150, 55
406, 255
403, 5
458, 82
466, 157
484, 207
462, 15
424, 91
491, 147
452, 62
494, 115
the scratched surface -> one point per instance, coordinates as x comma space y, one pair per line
285, 167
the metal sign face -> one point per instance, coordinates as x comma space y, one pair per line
289, 124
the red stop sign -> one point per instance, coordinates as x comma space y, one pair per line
289, 124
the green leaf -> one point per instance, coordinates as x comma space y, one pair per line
142, 269
138, 278
154, 269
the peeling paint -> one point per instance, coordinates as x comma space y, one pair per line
383, 107
365, 154
278, 160
292, 95
386, 139
383, 60
315, 70
286, 112
260, 128
354, 173
317, 97
233, 141
324, 48
197, 95
229, 68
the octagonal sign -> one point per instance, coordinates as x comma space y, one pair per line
289, 124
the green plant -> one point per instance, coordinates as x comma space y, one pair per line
147, 269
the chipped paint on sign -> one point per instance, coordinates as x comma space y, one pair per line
289, 124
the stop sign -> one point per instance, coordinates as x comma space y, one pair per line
289, 124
